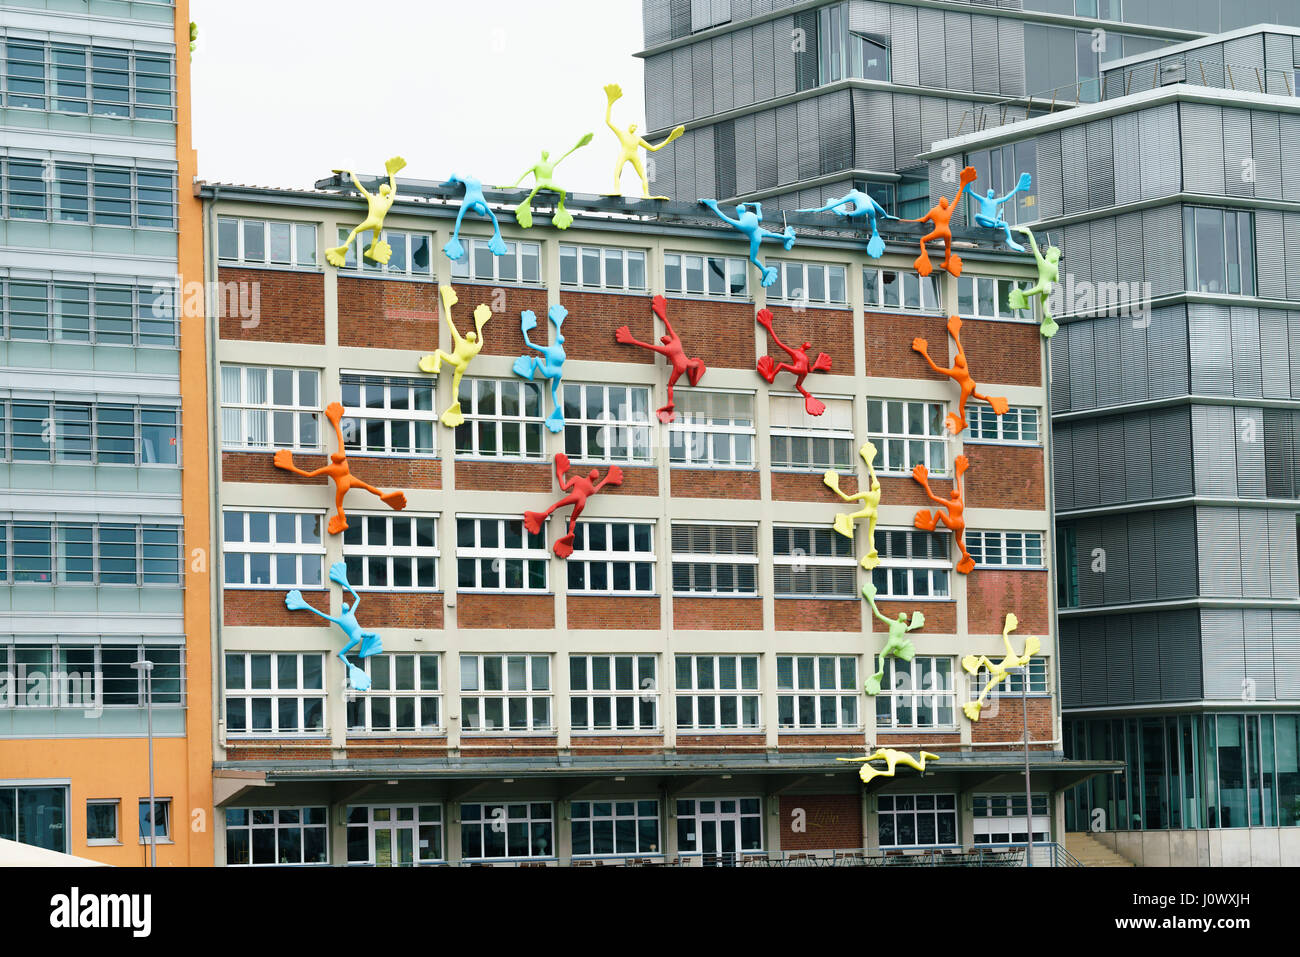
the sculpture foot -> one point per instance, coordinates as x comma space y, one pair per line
431, 364
769, 276
370, 645
358, 680
875, 246
563, 219
972, 710
454, 250
924, 520
970, 664
953, 265
953, 423
1017, 299
555, 421
999, 403
788, 243
870, 560
337, 256
922, 264
813, 405
1012, 244
533, 522
966, 565
524, 217
872, 685
563, 547
767, 368
497, 245
524, 367
337, 524
844, 525
453, 417
394, 500
379, 251
1048, 327
666, 414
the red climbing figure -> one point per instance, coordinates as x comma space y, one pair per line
960, 373
941, 215
341, 474
671, 350
799, 364
580, 489
954, 506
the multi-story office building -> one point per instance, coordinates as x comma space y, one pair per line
790, 101
103, 482
1175, 398
684, 683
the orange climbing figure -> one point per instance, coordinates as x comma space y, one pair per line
800, 365
954, 506
340, 473
941, 215
580, 489
955, 422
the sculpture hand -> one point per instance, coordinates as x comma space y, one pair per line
613, 91
920, 345
624, 335
394, 165
528, 320
920, 472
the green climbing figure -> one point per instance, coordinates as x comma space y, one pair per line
1048, 274
543, 172
899, 645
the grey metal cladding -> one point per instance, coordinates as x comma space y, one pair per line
1247, 381
1163, 251
907, 130
1216, 460
1074, 169
1127, 151
1238, 153
1270, 280
874, 131
783, 49
1118, 657
1146, 657
1083, 368
808, 135
1011, 57
1293, 330
764, 62
931, 52
1063, 465
659, 91
1167, 352
655, 21
706, 180
1059, 352
1103, 254
1086, 464
684, 155
1246, 54
1128, 252
1067, 653
1180, 655
1115, 581
1091, 581
1076, 253
1274, 351
1223, 652
1289, 146
1282, 552
724, 158
1249, 424
904, 46
1048, 161
1137, 456
742, 77
723, 73
868, 16
1106, 352
1158, 139
1092, 641
934, 126
1279, 453
1255, 560
959, 54
1290, 261
1171, 453
984, 37
1101, 165
702, 79
765, 148
1142, 556
1110, 462
1286, 653
1266, 143
1202, 144
1219, 546
835, 118
1210, 332
683, 78
746, 156
787, 142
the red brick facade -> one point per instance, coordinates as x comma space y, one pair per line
812, 614
291, 304
636, 480
720, 333
889, 345
622, 612
1005, 476
940, 616
593, 317
489, 476
1004, 353
505, 611
260, 467
815, 822
1003, 720
826, 330
502, 335
714, 483
718, 614
809, 487
403, 609
257, 608
991, 593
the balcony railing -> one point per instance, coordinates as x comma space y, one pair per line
999, 855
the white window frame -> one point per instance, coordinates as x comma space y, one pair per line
500, 556
162, 807
356, 263
604, 256
626, 427
487, 819
531, 695
913, 683
989, 811
689, 809
937, 570
298, 258
714, 558
583, 814
815, 556
640, 693
844, 693
98, 560
277, 694
152, 318
734, 270
986, 426
89, 441
529, 426
116, 839
274, 548
695, 433
837, 438
887, 806
988, 299
68, 688
992, 549
588, 560
1010, 686
355, 417
277, 826
422, 698
400, 817
419, 555
739, 695
878, 296
933, 446
467, 267
245, 409
801, 273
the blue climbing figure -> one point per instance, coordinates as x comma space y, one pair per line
863, 205
749, 223
370, 642
990, 213
475, 201
550, 365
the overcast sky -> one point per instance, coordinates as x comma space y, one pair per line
286, 90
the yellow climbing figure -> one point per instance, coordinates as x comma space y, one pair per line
630, 146
378, 206
891, 758
465, 349
998, 671
870, 499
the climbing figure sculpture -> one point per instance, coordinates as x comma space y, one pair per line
863, 205
952, 516
464, 350
631, 144
955, 422
543, 173
870, 499
476, 202
580, 489
370, 642
898, 644
941, 216
550, 365
340, 473
378, 205
750, 223
892, 759
672, 350
800, 365
1048, 274
999, 671
990, 210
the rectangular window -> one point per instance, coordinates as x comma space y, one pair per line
602, 828
505, 693
155, 821
607, 423
503, 419
907, 434
388, 415
409, 256
67, 552
917, 820
612, 558
520, 264
499, 554
272, 549
1014, 682
719, 828
917, 694
812, 562
256, 242
25, 74
613, 693
1019, 425
718, 693
395, 836
816, 284
102, 822
1219, 251
716, 277
270, 408
404, 696
271, 836
984, 297
392, 552
268, 694
89, 433
99, 313
1005, 549
999, 168
900, 291
913, 564
1001, 819
134, 84
87, 673
717, 559
602, 267
808, 443
817, 693
712, 429
115, 196
25, 189
499, 831
36, 816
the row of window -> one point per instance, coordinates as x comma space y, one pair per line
90, 553
90, 80
65, 192
81, 674
93, 312
387, 552
284, 693
92, 433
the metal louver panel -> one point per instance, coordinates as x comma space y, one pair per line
931, 50
835, 139
705, 176
1094, 682
679, 19
1086, 464
1101, 165
1202, 139
1238, 154
783, 50
1128, 162
874, 129
904, 46
683, 79
1289, 146
1176, 575
1167, 353
1171, 453
1119, 659
1137, 457
1210, 332
1067, 654
1133, 361
1049, 185
1011, 58
788, 145
1106, 346
907, 130
1146, 657
1087, 534
1282, 554
1288, 262
1258, 633
764, 62
1060, 359
742, 76
1254, 560
1249, 426
868, 16
808, 139
984, 37
1270, 279
1277, 54
1223, 652
659, 91
1267, 154
702, 78
1286, 653
806, 59
1114, 539
656, 21
1076, 254
1279, 454
721, 66
1216, 460
1274, 349
1074, 169
1180, 655
1104, 266
1063, 466
959, 54
1163, 250
1158, 139
1246, 376
1293, 330
1142, 557
765, 149
1110, 460
1083, 369
1219, 545
684, 157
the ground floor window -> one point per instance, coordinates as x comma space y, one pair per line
615, 827
156, 820
917, 820
489, 831
262, 836
35, 815
1000, 819
720, 828
402, 835
101, 821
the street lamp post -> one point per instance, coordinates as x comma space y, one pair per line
147, 667
1023, 671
